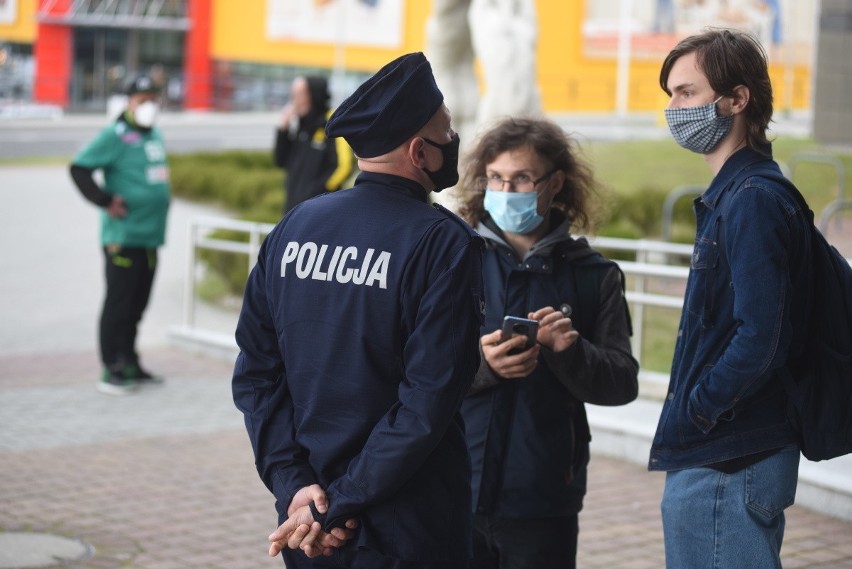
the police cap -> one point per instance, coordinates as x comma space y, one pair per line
388, 108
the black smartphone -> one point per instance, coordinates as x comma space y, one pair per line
514, 326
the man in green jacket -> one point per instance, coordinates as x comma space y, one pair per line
134, 202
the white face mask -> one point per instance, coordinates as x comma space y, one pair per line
145, 114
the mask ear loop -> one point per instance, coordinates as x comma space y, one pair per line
716, 102
552, 203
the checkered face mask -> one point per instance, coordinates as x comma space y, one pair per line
699, 129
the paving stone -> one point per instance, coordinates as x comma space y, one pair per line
153, 479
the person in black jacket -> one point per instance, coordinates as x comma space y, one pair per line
524, 188
314, 164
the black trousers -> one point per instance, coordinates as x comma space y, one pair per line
129, 277
359, 559
525, 543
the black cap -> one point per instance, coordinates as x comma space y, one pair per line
142, 84
388, 108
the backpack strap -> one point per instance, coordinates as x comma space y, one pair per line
587, 283
589, 270
589, 277
778, 177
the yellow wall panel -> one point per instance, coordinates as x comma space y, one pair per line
24, 29
569, 79
239, 34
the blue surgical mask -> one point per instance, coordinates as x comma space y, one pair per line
515, 212
699, 129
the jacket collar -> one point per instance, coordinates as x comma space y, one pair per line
494, 236
396, 183
739, 160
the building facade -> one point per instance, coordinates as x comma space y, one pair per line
225, 55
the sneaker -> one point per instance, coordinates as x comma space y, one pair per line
115, 383
136, 373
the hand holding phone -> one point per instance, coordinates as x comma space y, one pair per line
514, 326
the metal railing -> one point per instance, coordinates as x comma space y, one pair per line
691, 190
654, 262
820, 158
838, 204
830, 211
199, 237
651, 262
656, 276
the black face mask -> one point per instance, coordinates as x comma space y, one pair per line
447, 175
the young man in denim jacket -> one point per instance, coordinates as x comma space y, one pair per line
723, 436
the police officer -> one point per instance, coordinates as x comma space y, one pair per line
359, 338
135, 203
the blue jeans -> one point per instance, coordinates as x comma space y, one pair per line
713, 520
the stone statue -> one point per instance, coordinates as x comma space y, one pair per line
501, 35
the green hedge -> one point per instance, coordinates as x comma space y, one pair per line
640, 174
244, 182
248, 184
638, 215
636, 177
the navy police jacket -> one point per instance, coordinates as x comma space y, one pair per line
358, 340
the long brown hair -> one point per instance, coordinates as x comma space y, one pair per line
553, 146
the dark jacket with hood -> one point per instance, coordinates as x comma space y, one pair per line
314, 163
529, 438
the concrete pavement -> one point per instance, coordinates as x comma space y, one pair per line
165, 479
51, 266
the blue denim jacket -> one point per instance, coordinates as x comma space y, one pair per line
748, 281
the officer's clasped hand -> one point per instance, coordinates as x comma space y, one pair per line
301, 531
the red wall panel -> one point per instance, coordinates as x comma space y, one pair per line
198, 66
52, 52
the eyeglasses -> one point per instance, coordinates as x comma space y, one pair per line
520, 183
